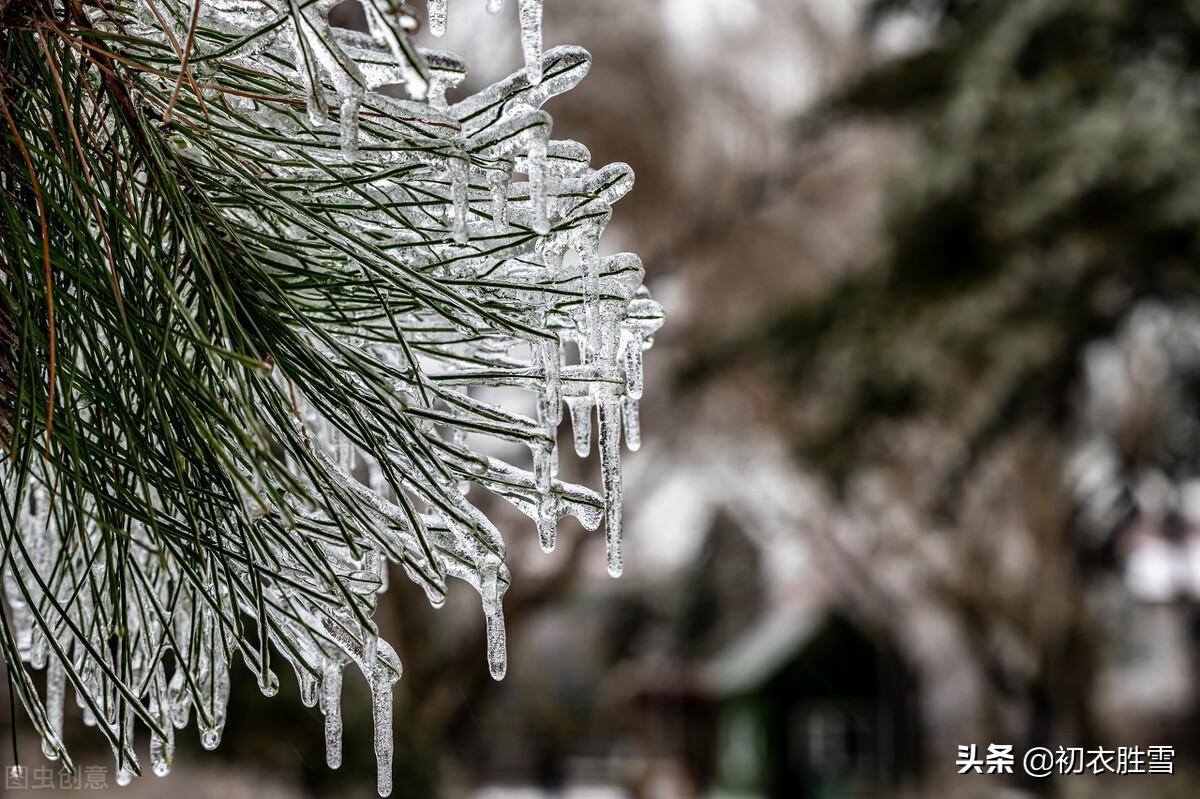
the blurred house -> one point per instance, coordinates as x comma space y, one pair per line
810, 704
740, 665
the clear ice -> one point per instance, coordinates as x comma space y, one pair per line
508, 276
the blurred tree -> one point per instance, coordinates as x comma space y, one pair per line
1053, 186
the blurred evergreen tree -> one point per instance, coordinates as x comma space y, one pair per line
1053, 186
1054, 183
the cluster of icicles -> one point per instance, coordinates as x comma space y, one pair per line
185, 622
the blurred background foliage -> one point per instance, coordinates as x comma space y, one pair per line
1051, 185
920, 463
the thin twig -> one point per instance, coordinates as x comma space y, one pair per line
185, 55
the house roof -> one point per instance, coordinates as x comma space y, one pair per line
759, 653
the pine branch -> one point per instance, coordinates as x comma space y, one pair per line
251, 341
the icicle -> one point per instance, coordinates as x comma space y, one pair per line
589, 253
162, 749
459, 173
551, 364
493, 615
126, 760
499, 185
268, 683
308, 688
633, 426
610, 467
181, 704
543, 471
177, 699
536, 165
370, 644
331, 706
633, 367
531, 38
494, 6
547, 523
161, 753
545, 455
581, 423
437, 17
349, 130
38, 649
381, 712
218, 698
632, 350
55, 695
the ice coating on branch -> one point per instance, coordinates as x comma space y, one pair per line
55, 683
446, 71
610, 466
489, 588
476, 239
331, 706
381, 716
581, 424
460, 209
